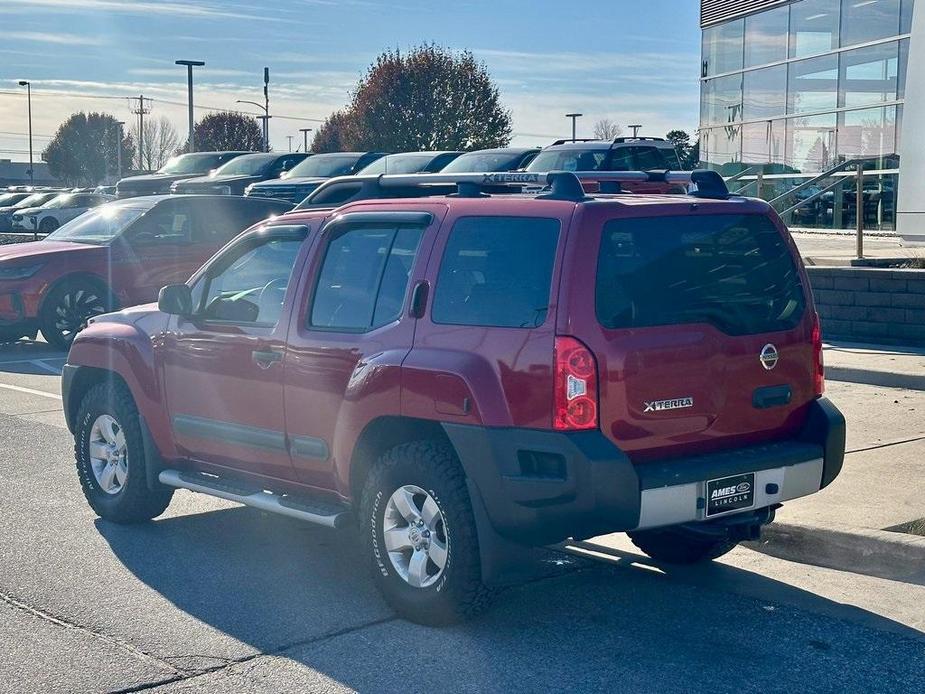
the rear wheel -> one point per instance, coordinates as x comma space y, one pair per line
48, 225
68, 307
420, 534
679, 545
110, 457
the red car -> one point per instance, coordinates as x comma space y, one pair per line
118, 254
469, 375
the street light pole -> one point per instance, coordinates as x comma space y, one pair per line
305, 132
266, 109
190, 64
635, 129
574, 117
119, 123
265, 118
28, 86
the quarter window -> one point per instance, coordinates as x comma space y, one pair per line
496, 271
364, 277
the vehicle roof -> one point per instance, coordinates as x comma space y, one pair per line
432, 152
516, 203
503, 150
149, 201
608, 144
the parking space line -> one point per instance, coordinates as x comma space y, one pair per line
48, 367
31, 361
30, 391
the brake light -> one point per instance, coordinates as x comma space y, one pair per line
575, 398
818, 367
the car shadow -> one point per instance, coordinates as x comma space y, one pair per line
304, 593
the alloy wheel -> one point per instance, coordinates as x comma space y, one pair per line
74, 309
108, 454
415, 536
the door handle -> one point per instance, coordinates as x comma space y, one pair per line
266, 358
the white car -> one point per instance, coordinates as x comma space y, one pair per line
60, 209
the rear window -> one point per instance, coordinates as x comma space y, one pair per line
643, 158
732, 271
496, 271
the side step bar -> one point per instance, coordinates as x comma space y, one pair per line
318, 512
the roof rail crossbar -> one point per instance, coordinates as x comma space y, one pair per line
569, 140
638, 138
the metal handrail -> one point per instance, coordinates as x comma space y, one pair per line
742, 173
839, 181
826, 174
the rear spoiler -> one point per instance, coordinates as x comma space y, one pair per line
563, 185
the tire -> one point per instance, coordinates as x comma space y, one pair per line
128, 499
48, 225
8, 335
449, 594
678, 545
67, 307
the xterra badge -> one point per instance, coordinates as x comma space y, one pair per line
673, 404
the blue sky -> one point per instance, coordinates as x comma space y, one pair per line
633, 62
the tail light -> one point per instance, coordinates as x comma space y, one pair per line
575, 399
818, 367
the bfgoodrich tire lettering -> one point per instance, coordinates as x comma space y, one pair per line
131, 501
456, 591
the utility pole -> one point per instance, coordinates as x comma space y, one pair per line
190, 64
119, 125
635, 129
289, 137
28, 86
266, 109
305, 132
574, 117
141, 112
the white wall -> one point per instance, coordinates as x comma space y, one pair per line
910, 216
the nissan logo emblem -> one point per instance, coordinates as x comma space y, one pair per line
768, 356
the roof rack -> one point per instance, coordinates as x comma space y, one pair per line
569, 140
558, 185
638, 138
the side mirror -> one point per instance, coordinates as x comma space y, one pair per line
175, 300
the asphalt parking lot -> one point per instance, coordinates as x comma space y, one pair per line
216, 598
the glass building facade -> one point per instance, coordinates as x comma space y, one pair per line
797, 87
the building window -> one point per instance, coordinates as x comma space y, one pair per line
869, 133
868, 75
764, 142
905, 16
722, 147
868, 20
766, 37
813, 27
722, 48
721, 100
903, 63
812, 85
765, 92
811, 143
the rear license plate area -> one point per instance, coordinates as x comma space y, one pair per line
732, 493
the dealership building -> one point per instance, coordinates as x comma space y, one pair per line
797, 95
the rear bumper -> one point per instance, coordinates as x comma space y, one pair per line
540, 487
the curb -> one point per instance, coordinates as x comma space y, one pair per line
884, 554
887, 379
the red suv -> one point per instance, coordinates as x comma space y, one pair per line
469, 375
118, 254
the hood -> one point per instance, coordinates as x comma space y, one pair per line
219, 180
128, 316
40, 249
27, 210
297, 181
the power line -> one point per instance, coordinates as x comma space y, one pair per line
47, 137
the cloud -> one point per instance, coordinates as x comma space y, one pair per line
147, 7
56, 38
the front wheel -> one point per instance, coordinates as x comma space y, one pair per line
679, 545
420, 534
110, 456
69, 306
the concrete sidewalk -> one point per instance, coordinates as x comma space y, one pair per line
893, 367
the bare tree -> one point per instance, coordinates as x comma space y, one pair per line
160, 143
606, 129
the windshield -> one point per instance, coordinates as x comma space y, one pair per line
324, 166
399, 164
476, 162
10, 199
191, 163
569, 160
99, 226
247, 165
66, 200
35, 200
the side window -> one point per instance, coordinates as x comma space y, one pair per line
623, 159
164, 225
249, 286
496, 271
364, 277
221, 220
